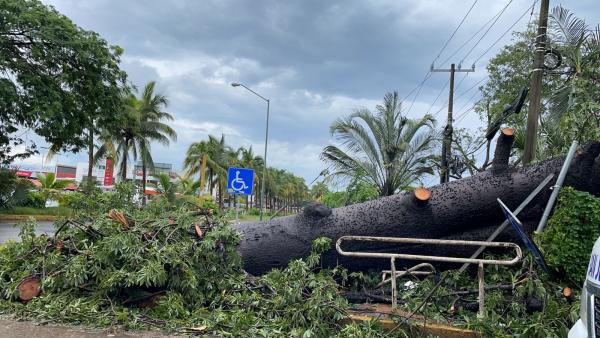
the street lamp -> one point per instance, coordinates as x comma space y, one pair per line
264, 179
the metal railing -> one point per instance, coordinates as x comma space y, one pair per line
393, 256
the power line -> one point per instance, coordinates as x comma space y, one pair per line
437, 97
428, 74
454, 33
418, 88
472, 87
505, 32
471, 38
487, 30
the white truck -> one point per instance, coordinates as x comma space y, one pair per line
588, 325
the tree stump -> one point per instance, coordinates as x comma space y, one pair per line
29, 288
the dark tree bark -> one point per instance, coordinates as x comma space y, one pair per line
90, 181
463, 209
503, 149
144, 197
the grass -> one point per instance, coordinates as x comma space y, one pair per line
50, 211
248, 217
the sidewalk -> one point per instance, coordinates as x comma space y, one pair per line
11, 328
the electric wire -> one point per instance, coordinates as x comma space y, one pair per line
487, 31
437, 97
505, 32
471, 38
455, 30
428, 74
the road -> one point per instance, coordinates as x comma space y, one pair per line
8, 231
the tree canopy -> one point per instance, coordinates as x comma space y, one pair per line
56, 79
387, 149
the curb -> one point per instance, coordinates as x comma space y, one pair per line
7, 217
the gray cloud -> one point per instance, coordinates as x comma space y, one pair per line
316, 60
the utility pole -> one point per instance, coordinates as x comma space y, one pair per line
535, 94
447, 142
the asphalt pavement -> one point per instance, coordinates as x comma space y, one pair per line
8, 231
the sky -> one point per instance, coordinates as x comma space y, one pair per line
315, 60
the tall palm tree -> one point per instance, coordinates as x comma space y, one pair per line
151, 127
390, 150
118, 142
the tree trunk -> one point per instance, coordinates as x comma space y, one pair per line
143, 181
503, 149
90, 182
463, 209
220, 195
124, 162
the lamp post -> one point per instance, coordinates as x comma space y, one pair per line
264, 178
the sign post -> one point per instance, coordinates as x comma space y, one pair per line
240, 181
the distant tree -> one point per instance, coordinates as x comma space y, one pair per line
50, 186
318, 190
55, 79
212, 155
390, 151
166, 187
187, 185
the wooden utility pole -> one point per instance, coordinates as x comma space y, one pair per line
446, 144
535, 94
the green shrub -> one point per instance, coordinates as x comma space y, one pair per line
33, 199
67, 199
335, 199
254, 212
570, 235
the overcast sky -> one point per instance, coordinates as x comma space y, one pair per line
316, 60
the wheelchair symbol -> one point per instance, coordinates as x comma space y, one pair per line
238, 184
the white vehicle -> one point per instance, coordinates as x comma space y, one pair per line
588, 325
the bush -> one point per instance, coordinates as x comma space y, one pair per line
568, 240
335, 199
8, 180
33, 199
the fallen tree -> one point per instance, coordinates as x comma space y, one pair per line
463, 209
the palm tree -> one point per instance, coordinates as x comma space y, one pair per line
166, 187
209, 158
188, 186
151, 127
50, 186
118, 142
391, 151
573, 105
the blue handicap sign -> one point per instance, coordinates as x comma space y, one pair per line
240, 181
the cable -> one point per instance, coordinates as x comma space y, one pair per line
437, 97
471, 38
461, 95
505, 32
456, 30
418, 88
428, 74
487, 30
